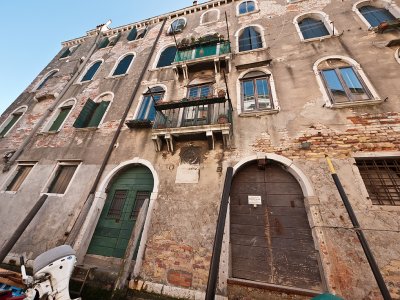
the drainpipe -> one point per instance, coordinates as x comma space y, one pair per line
56, 103
71, 239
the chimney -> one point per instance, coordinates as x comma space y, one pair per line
194, 2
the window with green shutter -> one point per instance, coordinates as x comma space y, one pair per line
132, 35
63, 114
91, 115
10, 123
104, 43
114, 39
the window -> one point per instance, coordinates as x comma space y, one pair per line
104, 43
68, 51
246, 7
19, 178
147, 110
375, 15
11, 121
46, 78
177, 26
197, 115
62, 114
312, 28
142, 33
132, 34
62, 178
256, 92
92, 113
250, 39
381, 177
209, 16
123, 65
91, 71
342, 82
167, 57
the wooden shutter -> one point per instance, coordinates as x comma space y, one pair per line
60, 118
132, 35
62, 179
19, 178
142, 34
66, 53
14, 119
115, 39
86, 114
98, 114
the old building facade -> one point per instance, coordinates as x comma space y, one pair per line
129, 132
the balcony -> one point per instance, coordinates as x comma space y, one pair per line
207, 116
212, 51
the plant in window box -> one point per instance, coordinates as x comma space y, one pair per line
142, 123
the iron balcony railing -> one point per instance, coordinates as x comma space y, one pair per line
208, 110
201, 50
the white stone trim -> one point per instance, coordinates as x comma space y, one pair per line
315, 14
357, 67
135, 115
85, 235
117, 63
208, 11
157, 58
256, 8
44, 78
271, 83
260, 30
22, 108
79, 81
388, 4
397, 55
56, 113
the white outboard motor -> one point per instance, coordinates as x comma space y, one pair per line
52, 271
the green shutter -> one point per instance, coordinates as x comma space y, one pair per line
104, 43
206, 51
115, 39
86, 114
132, 35
15, 118
60, 118
66, 53
98, 114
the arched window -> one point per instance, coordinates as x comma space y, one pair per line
61, 116
256, 92
177, 26
375, 15
11, 121
312, 28
167, 57
147, 110
91, 71
246, 7
342, 81
123, 65
209, 16
132, 34
93, 112
250, 39
46, 78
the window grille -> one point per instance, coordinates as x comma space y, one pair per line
381, 177
140, 198
117, 204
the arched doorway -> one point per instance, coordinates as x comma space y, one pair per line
270, 236
125, 195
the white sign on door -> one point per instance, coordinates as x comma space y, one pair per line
254, 200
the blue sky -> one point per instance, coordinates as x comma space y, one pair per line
33, 32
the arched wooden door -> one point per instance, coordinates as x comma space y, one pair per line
272, 242
126, 195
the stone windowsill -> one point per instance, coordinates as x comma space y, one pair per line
251, 51
48, 132
258, 113
86, 129
356, 103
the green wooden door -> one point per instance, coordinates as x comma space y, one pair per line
125, 198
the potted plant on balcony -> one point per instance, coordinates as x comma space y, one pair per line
222, 119
221, 93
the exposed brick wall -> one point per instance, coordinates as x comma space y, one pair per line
181, 265
365, 132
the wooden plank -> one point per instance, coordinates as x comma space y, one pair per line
248, 229
285, 200
248, 219
248, 252
249, 275
283, 188
247, 209
248, 240
288, 222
